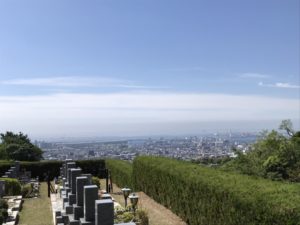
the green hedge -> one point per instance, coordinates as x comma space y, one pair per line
5, 166
121, 172
40, 169
202, 195
93, 167
12, 186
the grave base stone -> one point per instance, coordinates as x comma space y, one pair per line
72, 199
82, 221
59, 219
78, 212
68, 208
65, 219
72, 221
65, 201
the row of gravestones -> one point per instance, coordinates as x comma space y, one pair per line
81, 204
13, 172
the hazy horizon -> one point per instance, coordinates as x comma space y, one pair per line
150, 130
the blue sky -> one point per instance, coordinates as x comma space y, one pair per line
77, 66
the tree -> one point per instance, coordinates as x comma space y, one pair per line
287, 125
18, 147
274, 155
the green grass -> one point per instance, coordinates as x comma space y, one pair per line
37, 211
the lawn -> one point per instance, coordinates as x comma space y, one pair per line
37, 211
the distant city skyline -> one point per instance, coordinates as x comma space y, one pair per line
138, 68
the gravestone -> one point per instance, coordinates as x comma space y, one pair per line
80, 183
74, 174
17, 165
70, 165
68, 200
72, 195
106, 196
14, 171
2, 188
78, 207
66, 166
89, 176
104, 212
8, 174
89, 198
61, 171
64, 180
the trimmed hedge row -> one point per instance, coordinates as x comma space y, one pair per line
12, 186
92, 166
202, 195
121, 172
5, 166
40, 169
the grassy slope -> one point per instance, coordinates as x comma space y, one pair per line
37, 211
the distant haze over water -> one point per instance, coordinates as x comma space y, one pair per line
131, 131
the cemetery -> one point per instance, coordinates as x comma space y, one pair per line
80, 202
10, 206
74, 196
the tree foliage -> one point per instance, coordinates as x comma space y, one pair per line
274, 155
18, 147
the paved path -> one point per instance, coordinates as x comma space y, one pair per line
57, 205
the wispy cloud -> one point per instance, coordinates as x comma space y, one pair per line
76, 82
254, 75
98, 113
280, 85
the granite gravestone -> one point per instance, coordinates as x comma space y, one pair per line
70, 165
104, 212
74, 174
2, 188
89, 198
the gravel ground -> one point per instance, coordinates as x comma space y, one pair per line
158, 214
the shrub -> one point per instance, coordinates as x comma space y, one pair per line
12, 186
202, 195
96, 181
3, 204
3, 215
121, 172
142, 217
26, 190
